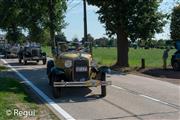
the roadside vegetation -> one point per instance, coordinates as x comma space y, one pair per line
14, 95
2, 68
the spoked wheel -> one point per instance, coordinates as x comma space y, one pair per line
103, 88
56, 90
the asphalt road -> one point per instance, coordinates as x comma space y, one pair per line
130, 97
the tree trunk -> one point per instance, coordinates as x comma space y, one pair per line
122, 49
15, 32
52, 17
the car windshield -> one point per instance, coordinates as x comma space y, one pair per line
72, 46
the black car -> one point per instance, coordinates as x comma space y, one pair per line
175, 60
31, 53
2, 52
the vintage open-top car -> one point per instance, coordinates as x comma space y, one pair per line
31, 53
73, 67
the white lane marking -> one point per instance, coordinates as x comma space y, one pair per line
117, 87
150, 98
44, 96
147, 97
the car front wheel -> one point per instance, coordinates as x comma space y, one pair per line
103, 88
20, 61
44, 61
56, 90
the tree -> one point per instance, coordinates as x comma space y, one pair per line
43, 14
90, 38
175, 23
75, 39
56, 10
129, 19
36, 16
60, 37
10, 19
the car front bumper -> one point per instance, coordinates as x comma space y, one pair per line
89, 83
34, 58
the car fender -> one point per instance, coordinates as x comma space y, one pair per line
50, 64
104, 69
57, 71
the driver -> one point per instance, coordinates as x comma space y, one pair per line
64, 48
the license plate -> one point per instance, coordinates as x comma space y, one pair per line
81, 69
35, 57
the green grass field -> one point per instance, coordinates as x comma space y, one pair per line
107, 56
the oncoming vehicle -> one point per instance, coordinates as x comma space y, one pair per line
31, 53
73, 67
175, 60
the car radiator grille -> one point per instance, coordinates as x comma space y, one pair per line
81, 70
35, 52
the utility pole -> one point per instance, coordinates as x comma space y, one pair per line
85, 26
85, 21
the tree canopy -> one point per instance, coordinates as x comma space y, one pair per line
34, 16
129, 19
175, 23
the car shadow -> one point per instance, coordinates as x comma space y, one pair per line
168, 73
75, 95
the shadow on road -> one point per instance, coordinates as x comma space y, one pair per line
168, 73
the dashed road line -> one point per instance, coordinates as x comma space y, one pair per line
58, 109
147, 97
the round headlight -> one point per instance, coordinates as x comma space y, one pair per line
68, 63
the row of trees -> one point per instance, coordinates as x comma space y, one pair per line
37, 18
112, 42
127, 20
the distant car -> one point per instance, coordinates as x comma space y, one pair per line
175, 60
31, 53
2, 48
2, 52
12, 52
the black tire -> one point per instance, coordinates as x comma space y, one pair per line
44, 61
25, 62
50, 80
176, 66
37, 61
56, 90
20, 61
103, 88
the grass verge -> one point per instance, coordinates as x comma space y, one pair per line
14, 97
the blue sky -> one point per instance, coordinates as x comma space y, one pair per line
74, 18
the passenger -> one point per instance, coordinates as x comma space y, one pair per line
165, 57
64, 48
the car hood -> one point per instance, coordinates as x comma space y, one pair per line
75, 55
